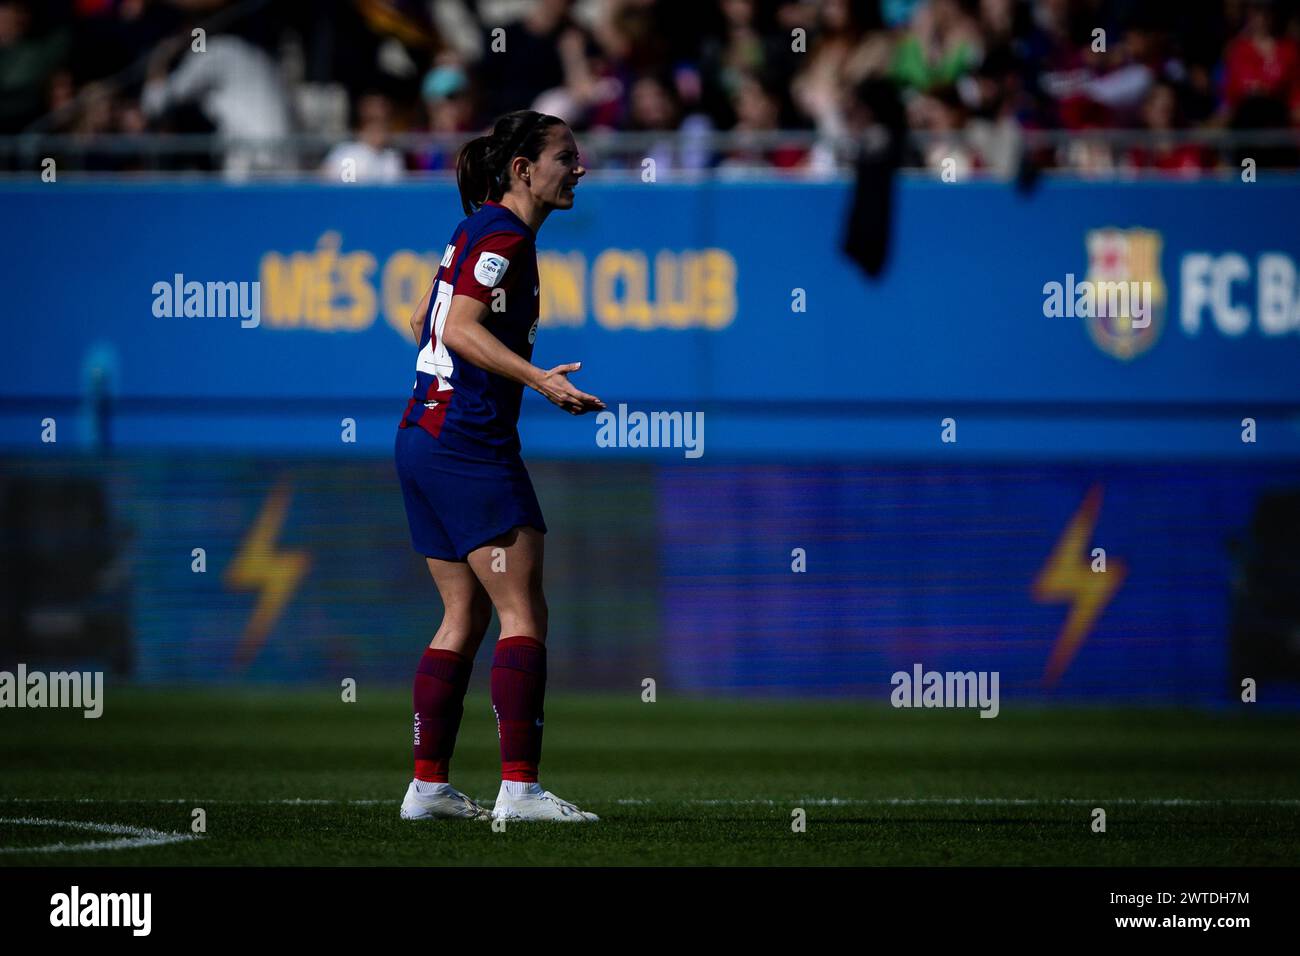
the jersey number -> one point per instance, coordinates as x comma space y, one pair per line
436, 360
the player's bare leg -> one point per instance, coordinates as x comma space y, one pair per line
510, 570
440, 692
467, 608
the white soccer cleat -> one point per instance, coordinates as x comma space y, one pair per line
445, 803
543, 805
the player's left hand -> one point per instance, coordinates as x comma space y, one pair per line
556, 386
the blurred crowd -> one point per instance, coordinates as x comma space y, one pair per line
352, 76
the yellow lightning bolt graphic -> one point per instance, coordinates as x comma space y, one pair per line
1068, 577
259, 566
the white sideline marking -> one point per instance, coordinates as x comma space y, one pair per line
737, 801
128, 837
985, 802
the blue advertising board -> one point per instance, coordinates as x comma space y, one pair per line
730, 299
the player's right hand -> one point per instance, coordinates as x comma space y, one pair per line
557, 388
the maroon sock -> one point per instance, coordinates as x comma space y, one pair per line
518, 689
440, 683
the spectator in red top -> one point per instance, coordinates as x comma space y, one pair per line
1259, 64
759, 108
1161, 114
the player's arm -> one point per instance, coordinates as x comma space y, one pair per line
421, 313
484, 273
467, 336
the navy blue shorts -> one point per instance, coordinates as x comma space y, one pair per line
456, 502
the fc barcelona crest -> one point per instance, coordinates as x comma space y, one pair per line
1125, 263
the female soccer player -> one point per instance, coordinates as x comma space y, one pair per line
469, 501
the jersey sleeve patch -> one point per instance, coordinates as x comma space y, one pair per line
490, 268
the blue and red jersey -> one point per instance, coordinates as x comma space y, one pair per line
492, 257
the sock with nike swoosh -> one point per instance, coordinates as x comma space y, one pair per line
518, 690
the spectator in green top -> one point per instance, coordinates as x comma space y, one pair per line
942, 45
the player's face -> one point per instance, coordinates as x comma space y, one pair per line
558, 169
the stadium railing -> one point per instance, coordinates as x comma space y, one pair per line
711, 153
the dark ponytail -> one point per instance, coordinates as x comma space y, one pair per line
483, 166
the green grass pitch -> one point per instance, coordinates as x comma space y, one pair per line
677, 782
